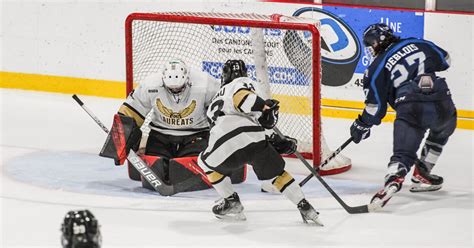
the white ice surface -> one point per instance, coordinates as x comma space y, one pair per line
49, 166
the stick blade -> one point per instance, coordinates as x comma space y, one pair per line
358, 210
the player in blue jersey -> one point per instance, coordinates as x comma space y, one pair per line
403, 74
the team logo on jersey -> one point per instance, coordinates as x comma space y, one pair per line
176, 118
340, 47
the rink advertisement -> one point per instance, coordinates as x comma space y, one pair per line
340, 46
403, 23
277, 75
34, 54
341, 39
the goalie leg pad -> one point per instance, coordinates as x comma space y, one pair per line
180, 169
157, 165
157, 145
133, 173
175, 171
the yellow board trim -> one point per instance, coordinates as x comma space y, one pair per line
58, 84
360, 105
116, 89
298, 105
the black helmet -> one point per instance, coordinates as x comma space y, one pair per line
233, 69
377, 37
80, 229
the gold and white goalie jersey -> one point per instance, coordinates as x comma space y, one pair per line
186, 117
233, 115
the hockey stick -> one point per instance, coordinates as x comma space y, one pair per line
349, 209
268, 188
159, 185
328, 159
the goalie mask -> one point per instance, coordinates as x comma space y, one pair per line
80, 229
176, 79
233, 69
377, 37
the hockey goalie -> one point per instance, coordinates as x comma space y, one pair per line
178, 98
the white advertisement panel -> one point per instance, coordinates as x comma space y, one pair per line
86, 39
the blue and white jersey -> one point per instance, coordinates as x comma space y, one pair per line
400, 62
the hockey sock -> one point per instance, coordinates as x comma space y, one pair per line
286, 184
221, 183
430, 154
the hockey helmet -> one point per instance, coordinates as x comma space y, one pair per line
176, 77
233, 69
80, 229
377, 37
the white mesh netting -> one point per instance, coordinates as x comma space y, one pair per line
280, 58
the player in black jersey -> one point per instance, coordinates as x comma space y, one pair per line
403, 74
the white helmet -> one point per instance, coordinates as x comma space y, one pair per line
176, 78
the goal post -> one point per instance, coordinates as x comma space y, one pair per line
282, 54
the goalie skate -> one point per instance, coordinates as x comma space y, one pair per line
308, 213
229, 208
423, 181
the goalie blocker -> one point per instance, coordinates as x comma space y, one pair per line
124, 135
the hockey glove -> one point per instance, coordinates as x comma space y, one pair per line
359, 130
283, 146
269, 116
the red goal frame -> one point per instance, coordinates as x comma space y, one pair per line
275, 22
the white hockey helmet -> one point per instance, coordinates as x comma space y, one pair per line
176, 77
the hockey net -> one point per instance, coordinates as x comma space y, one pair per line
282, 55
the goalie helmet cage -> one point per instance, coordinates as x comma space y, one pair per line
282, 55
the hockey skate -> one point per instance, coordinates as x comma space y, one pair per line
229, 208
423, 180
308, 213
393, 184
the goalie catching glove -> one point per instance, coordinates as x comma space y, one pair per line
124, 135
287, 145
269, 116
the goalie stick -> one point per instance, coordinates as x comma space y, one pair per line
349, 209
328, 159
156, 182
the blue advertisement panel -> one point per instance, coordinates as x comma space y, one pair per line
342, 28
403, 23
277, 75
